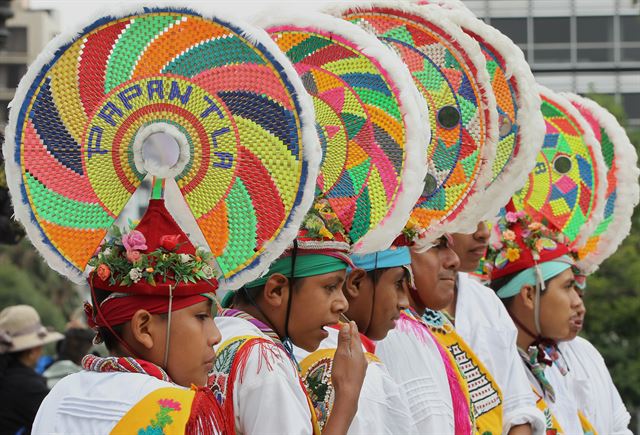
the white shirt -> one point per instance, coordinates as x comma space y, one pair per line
269, 399
485, 325
414, 362
86, 403
593, 388
565, 407
382, 406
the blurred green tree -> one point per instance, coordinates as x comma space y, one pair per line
613, 297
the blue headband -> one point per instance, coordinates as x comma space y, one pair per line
548, 270
392, 257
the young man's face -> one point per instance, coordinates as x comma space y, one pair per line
561, 308
193, 335
578, 321
390, 298
434, 273
317, 303
470, 248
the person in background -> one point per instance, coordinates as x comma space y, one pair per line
22, 340
76, 344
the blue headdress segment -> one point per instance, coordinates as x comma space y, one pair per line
392, 257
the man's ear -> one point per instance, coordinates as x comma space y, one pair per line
143, 328
353, 283
276, 290
528, 295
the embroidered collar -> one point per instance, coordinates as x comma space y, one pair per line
536, 365
264, 328
109, 364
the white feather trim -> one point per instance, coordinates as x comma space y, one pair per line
627, 187
599, 167
531, 126
311, 146
414, 113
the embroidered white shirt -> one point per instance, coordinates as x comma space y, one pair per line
485, 325
269, 399
593, 388
415, 364
87, 403
382, 406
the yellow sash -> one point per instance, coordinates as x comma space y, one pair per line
587, 427
484, 393
315, 370
551, 424
165, 411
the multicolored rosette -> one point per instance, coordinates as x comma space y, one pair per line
237, 119
568, 184
372, 122
623, 192
449, 70
520, 125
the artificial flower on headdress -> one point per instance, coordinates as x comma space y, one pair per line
121, 260
321, 222
518, 242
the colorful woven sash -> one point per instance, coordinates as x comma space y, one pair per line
462, 414
316, 369
484, 392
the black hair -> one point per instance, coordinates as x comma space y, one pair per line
76, 344
498, 283
251, 295
10, 359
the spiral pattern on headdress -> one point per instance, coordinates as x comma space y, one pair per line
622, 192
359, 118
447, 78
224, 92
567, 181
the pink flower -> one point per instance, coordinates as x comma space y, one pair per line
98, 249
511, 217
508, 235
134, 241
169, 403
133, 256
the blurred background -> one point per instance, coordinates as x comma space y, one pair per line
591, 47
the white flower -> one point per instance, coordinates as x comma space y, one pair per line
107, 252
185, 258
207, 271
135, 274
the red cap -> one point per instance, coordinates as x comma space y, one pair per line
518, 243
156, 233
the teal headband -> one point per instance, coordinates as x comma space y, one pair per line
393, 257
548, 270
306, 265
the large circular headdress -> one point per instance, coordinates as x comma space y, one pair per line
211, 104
568, 184
623, 192
520, 123
449, 70
372, 123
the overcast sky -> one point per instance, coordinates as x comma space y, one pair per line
75, 12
